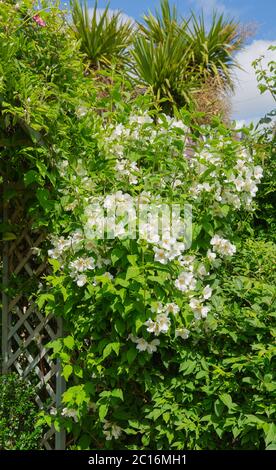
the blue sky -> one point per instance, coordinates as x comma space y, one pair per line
261, 12
247, 103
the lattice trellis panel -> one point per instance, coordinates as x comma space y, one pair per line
25, 330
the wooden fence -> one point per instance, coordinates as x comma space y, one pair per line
25, 330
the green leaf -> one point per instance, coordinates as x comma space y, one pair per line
187, 367
131, 354
132, 272
56, 345
43, 196
271, 446
120, 326
117, 254
43, 298
84, 442
132, 259
78, 371
55, 263
31, 177
42, 168
103, 410
69, 342
67, 371
7, 236
110, 348
117, 393
227, 400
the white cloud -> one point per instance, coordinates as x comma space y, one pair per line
210, 6
247, 103
123, 16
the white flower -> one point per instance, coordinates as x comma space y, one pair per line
218, 195
176, 183
161, 255
211, 255
142, 344
157, 308
207, 292
152, 327
195, 304
118, 131
182, 332
240, 165
109, 202
81, 280
204, 311
172, 308
54, 253
133, 166
167, 241
185, 281
258, 172
163, 322
178, 124
216, 240
149, 233
70, 413
132, 338
35, 250
119, 230
76, 239
82, 264
160, 325
239, 183
60, 244
111, 431
251, 187
202, 271
152, 346
121, 165
200, 310
187, 261
222, 246
81, 111
133, 179
143, 119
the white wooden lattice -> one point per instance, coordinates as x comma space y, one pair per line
25, 330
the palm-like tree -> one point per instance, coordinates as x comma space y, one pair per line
161, 66
160, 59
212, 51
157, 27
104, 37
176, 58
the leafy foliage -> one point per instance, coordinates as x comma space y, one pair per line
211, 50
18, 414
266, 213
104, 37
162, 67
178, 57
164, 347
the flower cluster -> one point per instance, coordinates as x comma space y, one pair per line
143, 345
185, 281
230, 180
234, 186
111, 430
222, 246
125, 168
